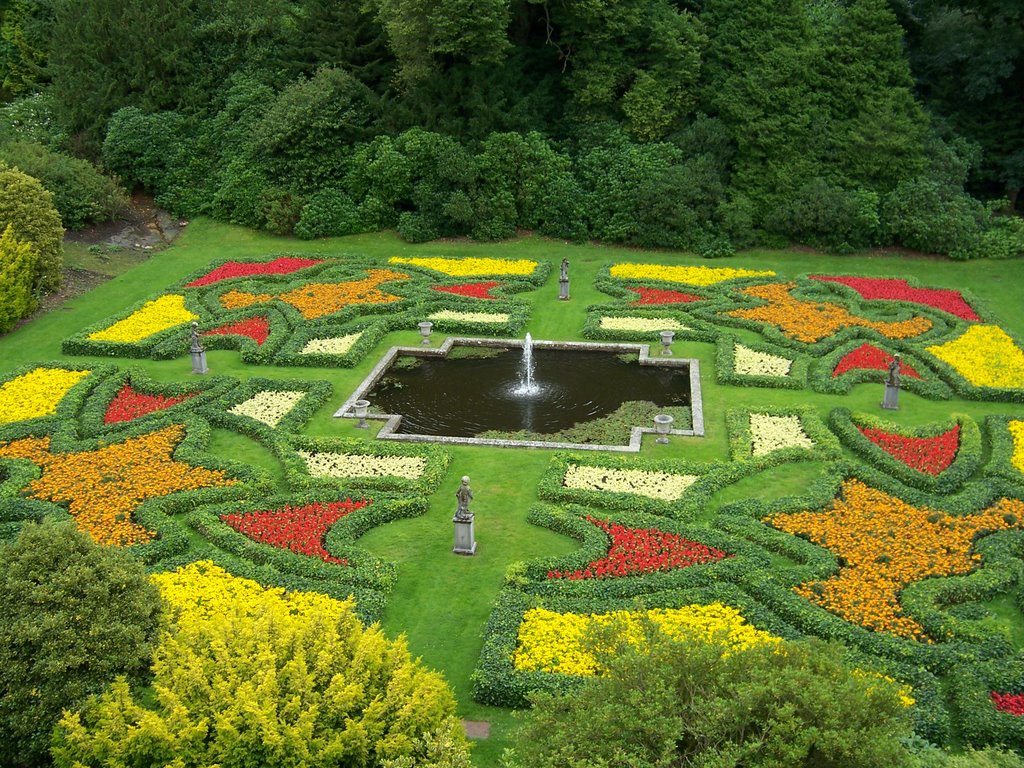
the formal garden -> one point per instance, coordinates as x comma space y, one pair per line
805, 510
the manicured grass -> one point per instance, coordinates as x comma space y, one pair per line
441, 601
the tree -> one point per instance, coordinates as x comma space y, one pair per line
27, 208
249, 677
73, 616
17, 263
24, 45
678, 703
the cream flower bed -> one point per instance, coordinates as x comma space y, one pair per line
334, 345
642, 324
470, 317
772, 433
750, 362
326, 464
666, 486
269, 406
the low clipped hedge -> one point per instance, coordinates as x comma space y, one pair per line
822, 379
741, 441
726, 373
848, 426
711, 477
1003, 448
436, 458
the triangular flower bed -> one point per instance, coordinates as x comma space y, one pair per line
298, 529
931, 455
256, 328
641, 550
129, 404
470, 290
229, 269
870, 357
656, 296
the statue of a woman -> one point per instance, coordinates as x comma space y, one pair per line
893, 379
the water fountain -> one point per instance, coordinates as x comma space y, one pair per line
526, 385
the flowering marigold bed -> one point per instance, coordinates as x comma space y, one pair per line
688, 275
469, 267
986, 356
151, 318
284, 265
875, 288
931, 455
868, 356
36, 393
128, 404
553, 642
300, 529
886, 544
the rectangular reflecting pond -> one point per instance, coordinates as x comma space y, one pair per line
476, 390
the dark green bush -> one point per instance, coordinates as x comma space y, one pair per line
73, 616
329, 213
825, 215
81, 193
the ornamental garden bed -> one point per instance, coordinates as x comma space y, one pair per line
803, 511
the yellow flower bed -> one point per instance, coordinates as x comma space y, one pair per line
688, 275
470, 267
1017, 430
153, 317
553, 642
36, 393
202, 591
986, 356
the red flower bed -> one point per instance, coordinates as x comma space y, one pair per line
129, 404
659, 296
872, 358
889, 289
471, 290
256, 328
1011, 703
282, 266
298, 529
641, 550
925, 454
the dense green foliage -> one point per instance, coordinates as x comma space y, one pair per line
27, 208
17, 264
270, 684
709, 126
697, 704
81, 194
73, 615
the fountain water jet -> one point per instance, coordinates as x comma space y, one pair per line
526, 385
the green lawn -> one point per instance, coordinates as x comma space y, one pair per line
441, 602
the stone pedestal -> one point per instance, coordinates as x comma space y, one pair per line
891, 400
563, 290
199, 361
465, 541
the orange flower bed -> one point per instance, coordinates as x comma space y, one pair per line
812, 321
102, 487
886, 544
315, 300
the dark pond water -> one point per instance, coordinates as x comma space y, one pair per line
467, 396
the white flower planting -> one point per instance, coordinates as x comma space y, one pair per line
642, 324
656, 485
773, 433
750, 362
326, 464
269, 406
470, 317
334, 345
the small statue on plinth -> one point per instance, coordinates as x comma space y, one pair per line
465, 541
891, 400
197, 351
563, 281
